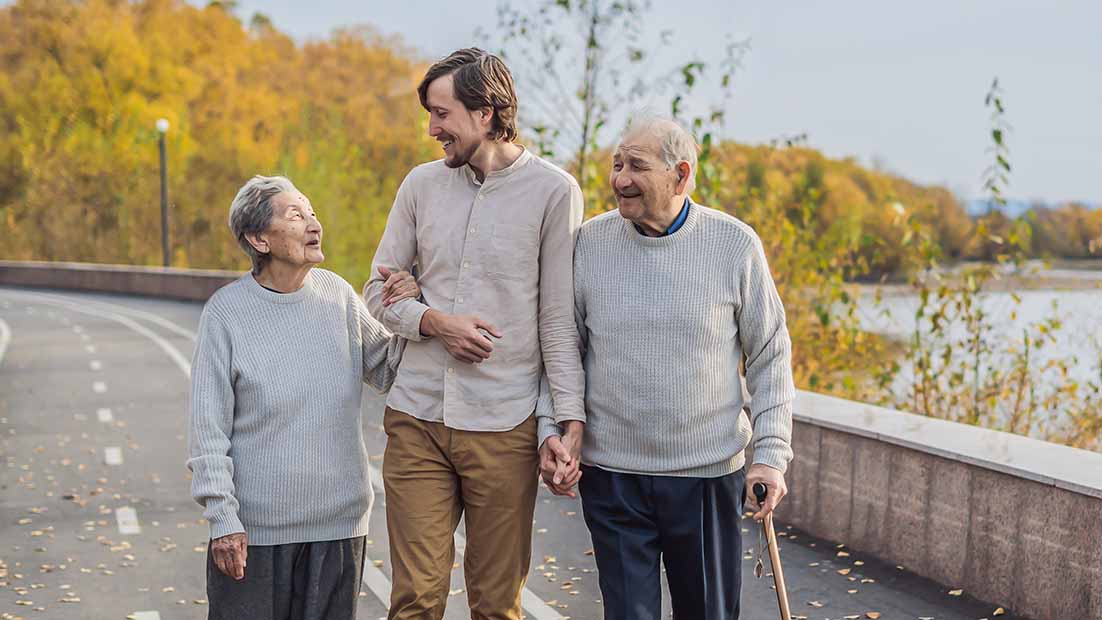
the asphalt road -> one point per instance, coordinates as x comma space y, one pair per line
96, 519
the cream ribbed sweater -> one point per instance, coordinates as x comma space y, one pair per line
664, 323
276, 439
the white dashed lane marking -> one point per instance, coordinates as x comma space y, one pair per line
127, 519
5, 338
112, 455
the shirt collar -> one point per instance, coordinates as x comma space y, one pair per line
521, 161
678, 222
681, 217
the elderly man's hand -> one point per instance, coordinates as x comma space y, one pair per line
776, 489
399, 285
560, 459
229, 554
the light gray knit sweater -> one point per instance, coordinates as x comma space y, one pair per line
664, 323
276, 439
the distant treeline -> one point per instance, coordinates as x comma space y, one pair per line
83, 83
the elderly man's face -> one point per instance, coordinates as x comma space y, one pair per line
641, 181
458, 129
294, 236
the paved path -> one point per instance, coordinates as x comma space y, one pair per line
96, 520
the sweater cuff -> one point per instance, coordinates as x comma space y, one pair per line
774, 453
547, 428
225, 524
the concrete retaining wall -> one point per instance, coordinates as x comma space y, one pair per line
188, 284
1011, 520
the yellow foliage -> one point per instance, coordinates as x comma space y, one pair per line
83, 84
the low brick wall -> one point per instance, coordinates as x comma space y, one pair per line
170, 282
1010, 520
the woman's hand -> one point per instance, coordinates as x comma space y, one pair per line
399, 285
229, 554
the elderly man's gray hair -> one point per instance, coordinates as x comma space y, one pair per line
251, 212
678, 145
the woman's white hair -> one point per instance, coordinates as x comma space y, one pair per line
251, 213
678, 145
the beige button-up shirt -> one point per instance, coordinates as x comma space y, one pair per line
502, 250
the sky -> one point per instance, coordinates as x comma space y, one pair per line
899, 85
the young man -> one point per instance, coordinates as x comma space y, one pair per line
671, 296
490, 229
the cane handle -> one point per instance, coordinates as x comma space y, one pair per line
760, 491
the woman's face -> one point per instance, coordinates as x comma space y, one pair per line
294, 234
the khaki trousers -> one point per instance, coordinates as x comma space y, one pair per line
433, 475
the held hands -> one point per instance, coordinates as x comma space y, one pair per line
229, 554
464, 336
776, 488
399, 285
560, 459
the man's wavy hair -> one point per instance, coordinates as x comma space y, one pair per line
481, 81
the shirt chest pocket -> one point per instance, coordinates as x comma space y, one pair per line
512, 251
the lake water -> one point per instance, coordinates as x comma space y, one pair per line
1079, 337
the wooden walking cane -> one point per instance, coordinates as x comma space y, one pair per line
774, 554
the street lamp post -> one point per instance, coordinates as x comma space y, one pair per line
162, 128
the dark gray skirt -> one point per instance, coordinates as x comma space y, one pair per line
296, 581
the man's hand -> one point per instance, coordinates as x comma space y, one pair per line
560, 459
463, 335
229, 554
776, 489
399, 285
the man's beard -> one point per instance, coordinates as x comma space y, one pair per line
460, 158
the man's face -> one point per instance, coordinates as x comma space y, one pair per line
459, 130
641, 181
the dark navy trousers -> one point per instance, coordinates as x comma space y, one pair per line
689, 524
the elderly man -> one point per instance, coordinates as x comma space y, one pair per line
670, 298
491, 230
276, 440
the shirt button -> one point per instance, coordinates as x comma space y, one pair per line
460, 300
473, 230
451, 371
466, 264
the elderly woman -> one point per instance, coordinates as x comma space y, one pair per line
276, 441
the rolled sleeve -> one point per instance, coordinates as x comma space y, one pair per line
397, 251
558, 332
